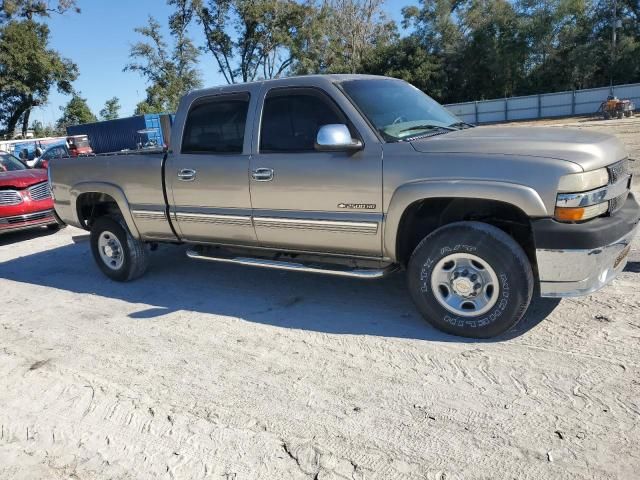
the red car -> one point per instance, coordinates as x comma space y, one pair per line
25, 197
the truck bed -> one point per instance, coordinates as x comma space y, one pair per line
134, 180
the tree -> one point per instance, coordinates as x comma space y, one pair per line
493, 51
170, 75
15, 9
28, 71
40, 130
76, 112
622, 63
111, 109
493, 48
436, 28
559, 50
350, 31
408, 60
268, 34
478, 46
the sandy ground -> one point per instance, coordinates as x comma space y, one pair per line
209, 371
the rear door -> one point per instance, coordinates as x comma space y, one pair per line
207, 175
304, 199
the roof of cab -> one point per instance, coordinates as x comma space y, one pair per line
301, 80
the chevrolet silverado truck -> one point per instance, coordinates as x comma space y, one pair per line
359, 176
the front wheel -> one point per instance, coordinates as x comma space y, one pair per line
470, 279
119, 255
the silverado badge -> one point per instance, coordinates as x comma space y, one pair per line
358, 206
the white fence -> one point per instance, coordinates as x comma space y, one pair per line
561, 104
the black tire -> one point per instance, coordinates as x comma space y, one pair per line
54, 227
135, 256
491, 245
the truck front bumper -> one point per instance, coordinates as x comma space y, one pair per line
578, 259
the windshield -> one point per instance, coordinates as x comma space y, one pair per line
9, 163
398, 110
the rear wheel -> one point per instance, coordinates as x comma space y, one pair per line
119, 255
470, 279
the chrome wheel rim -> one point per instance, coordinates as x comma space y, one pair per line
465, 284
110, 250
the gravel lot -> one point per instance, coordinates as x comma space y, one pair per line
210, 371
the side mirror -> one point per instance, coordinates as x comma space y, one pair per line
336, 138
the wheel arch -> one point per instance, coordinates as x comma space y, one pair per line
418, 209
88, 196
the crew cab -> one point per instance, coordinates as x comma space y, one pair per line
360, 176
25, 197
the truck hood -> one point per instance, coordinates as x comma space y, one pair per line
20, 179
588, 149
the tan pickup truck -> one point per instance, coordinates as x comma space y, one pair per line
360, 176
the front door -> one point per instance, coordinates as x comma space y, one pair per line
304, 199
207, 176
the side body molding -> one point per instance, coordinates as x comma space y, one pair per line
108, 189
525, 198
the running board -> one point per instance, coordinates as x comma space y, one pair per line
336, 270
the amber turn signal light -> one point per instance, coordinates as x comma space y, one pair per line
579, 214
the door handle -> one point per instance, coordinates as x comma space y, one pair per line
187, 174
262, 174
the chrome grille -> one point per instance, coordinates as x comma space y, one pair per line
616, 204
618, 170
10, 197
40, 191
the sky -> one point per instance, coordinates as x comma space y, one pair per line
98, 40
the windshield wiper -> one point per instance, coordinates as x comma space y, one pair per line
428, 127
462, 125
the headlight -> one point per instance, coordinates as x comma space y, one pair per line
581, 182
582, 196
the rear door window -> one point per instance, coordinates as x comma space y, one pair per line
216, 125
